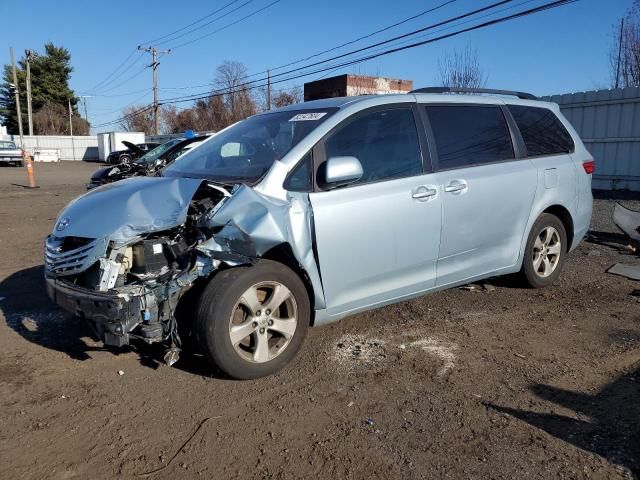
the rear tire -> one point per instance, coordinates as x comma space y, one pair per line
251, 321
545, 252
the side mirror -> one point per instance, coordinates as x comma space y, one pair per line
340, 171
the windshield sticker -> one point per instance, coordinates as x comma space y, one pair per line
303, 117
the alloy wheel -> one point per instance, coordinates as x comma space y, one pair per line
546, 252
263, 322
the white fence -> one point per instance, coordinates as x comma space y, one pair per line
608, 122
69, 148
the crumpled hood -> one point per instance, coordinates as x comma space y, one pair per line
123, 210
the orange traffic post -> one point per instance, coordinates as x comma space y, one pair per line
29, 164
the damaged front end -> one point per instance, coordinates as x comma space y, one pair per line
126, 272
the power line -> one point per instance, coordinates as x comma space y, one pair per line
116, 75
347, 54
524, 13
128, 94
113, 72
337, 47
137, 73
226, 26
531, 11
152, 41
398, 37
200, 27
111, 111
125, 117
369, 35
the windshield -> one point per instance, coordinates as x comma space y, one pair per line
8, 145
245, 151
153, 155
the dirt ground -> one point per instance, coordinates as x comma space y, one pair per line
502, 382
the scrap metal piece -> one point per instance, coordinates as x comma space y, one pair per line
625, 270
628, 221
171, 356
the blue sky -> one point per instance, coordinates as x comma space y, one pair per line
561, 50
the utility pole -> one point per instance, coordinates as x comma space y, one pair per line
86, 115
619, 53
73, 145
268, 89
70, 117
155, 53
29, 54
17, 92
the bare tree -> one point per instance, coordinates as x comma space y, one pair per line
287, 97
230, 78
232, 100
462, 69
206, 115
624, 56
53, 119
136, 118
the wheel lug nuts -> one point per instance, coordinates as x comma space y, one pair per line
255, 324
268, 312
270, 322
258, 313
262, 330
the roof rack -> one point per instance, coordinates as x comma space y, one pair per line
522, 95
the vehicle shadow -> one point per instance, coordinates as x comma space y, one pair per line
606, 423
29, 312
617, 241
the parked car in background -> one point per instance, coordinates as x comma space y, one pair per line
10, 154
132, 152
312, 212
147, 164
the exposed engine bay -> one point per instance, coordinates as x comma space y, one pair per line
128, 284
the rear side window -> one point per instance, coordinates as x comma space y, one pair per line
542, 131
468, 135
385, 142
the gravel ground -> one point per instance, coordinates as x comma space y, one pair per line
497, 382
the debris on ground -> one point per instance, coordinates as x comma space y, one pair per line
120, 372
628, 221
631, 272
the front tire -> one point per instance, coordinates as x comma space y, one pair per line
251, 321
545, 252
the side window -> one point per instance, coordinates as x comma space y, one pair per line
469, 135
385, 142
542, 131
299, 180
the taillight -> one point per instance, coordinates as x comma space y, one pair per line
589, 166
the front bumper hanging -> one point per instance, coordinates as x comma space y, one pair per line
113, 316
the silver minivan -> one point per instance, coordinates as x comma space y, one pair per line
303, 215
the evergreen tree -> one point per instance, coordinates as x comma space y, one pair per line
50, 74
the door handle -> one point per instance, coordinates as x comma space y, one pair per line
423, 192
456, 186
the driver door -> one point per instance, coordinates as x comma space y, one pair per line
378, 238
